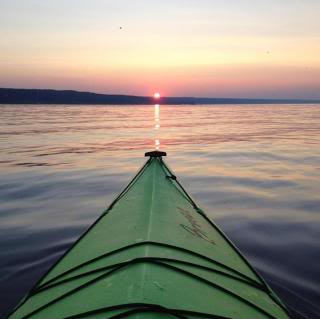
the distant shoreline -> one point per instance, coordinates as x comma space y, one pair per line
48, 96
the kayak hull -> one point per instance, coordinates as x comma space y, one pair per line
152, 254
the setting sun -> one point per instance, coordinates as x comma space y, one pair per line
156, 95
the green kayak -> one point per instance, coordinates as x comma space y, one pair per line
152, 254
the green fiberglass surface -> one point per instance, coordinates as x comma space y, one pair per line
152, 254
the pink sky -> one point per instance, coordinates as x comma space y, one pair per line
194, 48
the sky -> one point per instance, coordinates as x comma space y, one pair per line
205, 48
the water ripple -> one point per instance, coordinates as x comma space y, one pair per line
255, 169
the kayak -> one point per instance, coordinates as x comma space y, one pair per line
152, 254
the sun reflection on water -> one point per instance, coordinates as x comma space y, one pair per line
157, 143
157, 126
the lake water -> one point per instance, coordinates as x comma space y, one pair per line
254, 169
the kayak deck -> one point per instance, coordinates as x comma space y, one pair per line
152, 254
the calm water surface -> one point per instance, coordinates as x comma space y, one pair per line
254, 169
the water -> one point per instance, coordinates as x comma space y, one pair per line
253, 168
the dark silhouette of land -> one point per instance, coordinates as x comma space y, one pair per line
39, 96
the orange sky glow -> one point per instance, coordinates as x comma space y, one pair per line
201, 48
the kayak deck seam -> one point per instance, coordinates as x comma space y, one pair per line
151, 307
149, 243
146, 259
176, 269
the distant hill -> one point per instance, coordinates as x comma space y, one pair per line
39, 96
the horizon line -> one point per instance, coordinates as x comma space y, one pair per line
151, 97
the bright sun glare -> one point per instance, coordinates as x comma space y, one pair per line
156, 95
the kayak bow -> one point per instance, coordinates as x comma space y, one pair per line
152, 254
